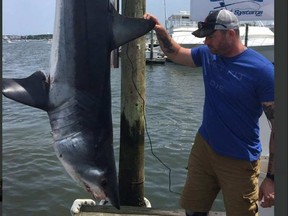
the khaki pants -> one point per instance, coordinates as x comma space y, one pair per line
209, 172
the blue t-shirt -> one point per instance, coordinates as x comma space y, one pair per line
234, 90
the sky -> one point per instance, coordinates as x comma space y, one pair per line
32, 17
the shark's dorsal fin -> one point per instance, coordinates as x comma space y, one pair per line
32, 91
126, 29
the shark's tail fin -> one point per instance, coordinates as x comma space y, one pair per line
126, 29
32, 91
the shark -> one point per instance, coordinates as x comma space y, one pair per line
76, 93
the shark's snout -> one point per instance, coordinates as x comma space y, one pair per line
102, 186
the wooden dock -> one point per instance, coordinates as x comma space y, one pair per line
100, 210
108, 210
150, 61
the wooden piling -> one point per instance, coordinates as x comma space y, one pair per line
131, 162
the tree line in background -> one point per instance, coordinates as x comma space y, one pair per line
28, 37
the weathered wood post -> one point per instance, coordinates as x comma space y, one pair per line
151, 45
131, 163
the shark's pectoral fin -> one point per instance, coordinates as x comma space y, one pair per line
32, 91
126, 29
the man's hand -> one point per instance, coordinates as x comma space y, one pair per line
267, 193
158, 27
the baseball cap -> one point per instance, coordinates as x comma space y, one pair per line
218, 20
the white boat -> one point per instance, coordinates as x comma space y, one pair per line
180, 28
260, 37
7, 39
153, 54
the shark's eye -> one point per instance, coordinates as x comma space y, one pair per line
104, 183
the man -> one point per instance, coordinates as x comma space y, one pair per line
239, 85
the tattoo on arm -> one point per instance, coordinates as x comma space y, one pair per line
269, 112
167, 44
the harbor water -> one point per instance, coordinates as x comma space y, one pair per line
34, 181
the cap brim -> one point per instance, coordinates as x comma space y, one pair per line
200, 33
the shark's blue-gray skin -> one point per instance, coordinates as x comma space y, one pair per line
76, 94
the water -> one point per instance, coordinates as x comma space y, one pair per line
34, 181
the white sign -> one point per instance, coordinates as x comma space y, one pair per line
244, 10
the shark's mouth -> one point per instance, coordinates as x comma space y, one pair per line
98, 194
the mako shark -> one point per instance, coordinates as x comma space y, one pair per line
76, 94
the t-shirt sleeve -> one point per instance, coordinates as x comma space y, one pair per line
265, 85
196, 54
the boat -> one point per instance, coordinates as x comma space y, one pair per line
259, 37
154, 55
180, 28
153, 52
6, 39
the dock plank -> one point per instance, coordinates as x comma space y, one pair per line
100, 210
